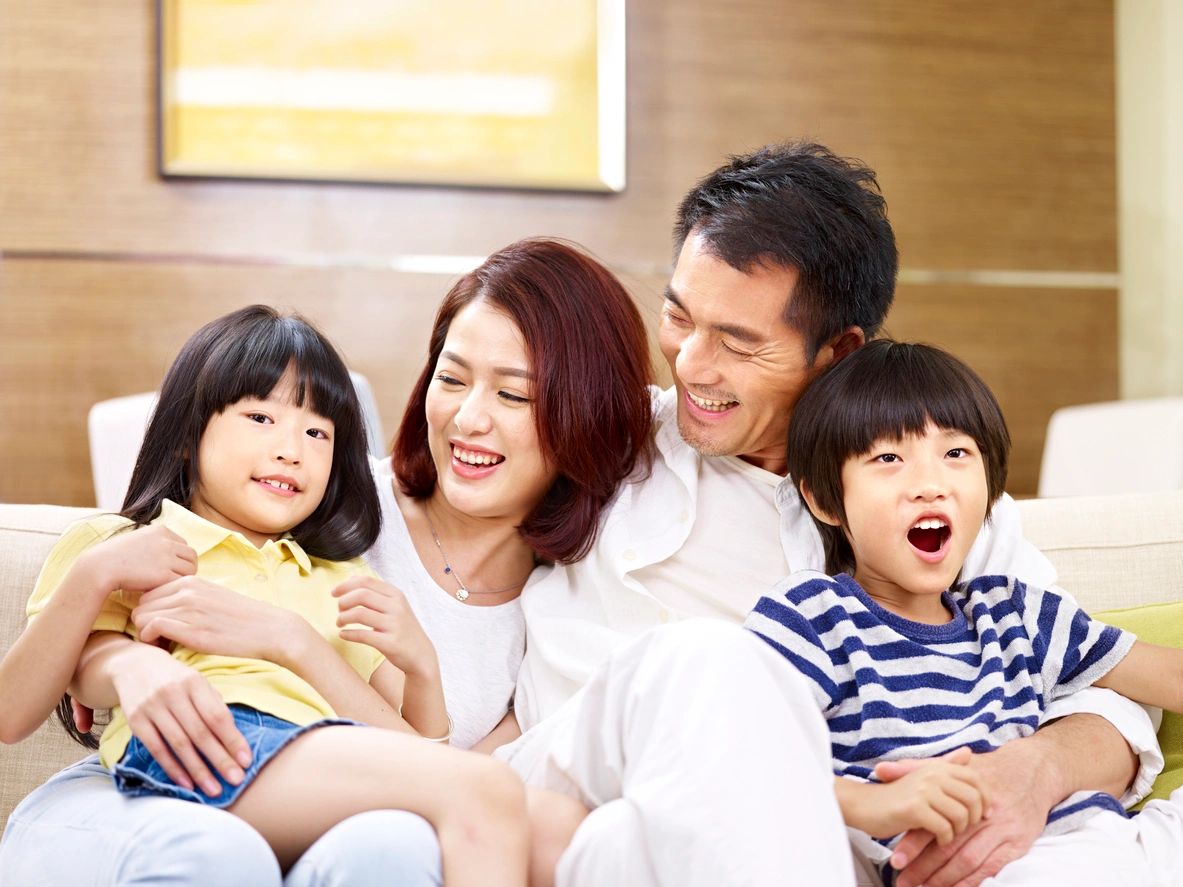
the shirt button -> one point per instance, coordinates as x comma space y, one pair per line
630, 554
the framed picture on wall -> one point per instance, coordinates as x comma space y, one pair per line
495, 93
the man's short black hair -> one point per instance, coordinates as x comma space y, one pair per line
799, 205
887, 390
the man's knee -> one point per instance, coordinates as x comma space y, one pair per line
382, 847
192, 844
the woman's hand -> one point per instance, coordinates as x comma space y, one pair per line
179, 717
138, 560
392, 628
211, 618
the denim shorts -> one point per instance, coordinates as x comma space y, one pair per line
137, 773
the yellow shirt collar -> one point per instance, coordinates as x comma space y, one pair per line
203, 535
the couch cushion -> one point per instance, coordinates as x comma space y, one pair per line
27, 532
1111, 551
1158, 624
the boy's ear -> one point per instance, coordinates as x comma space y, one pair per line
823, 516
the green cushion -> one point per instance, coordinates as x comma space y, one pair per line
1158, 624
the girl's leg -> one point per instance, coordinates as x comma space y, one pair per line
78, 829
553, 820
380, 848
476, 804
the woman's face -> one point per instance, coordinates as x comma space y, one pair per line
480, 418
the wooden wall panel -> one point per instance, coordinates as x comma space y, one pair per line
992, 130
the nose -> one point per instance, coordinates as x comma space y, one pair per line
289, 446
473, 416
928, 483
695, 363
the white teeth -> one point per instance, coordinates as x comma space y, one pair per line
279, 485
929, 523
712, 405
470, 457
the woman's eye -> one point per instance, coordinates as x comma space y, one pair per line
446, 379
512, 398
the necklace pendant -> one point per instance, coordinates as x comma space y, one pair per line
461, 593
447, 568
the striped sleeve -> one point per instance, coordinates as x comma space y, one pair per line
778, 620
1073, 649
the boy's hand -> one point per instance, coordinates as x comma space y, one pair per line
942, 796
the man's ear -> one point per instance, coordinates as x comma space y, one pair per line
823, 516
839, 346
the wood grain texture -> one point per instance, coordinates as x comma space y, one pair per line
992, 130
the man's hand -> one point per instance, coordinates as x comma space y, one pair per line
1020, 798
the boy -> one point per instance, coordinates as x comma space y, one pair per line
900, 451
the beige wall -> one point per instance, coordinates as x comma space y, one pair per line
1150, 173
992, 129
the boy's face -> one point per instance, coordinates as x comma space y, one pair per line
913, 509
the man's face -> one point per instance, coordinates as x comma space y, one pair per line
738, 366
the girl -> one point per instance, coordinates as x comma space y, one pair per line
253, 473
585, 428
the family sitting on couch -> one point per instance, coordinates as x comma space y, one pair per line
541, 516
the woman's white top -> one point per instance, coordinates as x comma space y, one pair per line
480, 649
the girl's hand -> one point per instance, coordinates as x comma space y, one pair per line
138, 560
211, 618
944, 796
175, 712
392, 629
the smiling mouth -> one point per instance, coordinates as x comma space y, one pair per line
284, 486
711, 406
929, 535
475, 458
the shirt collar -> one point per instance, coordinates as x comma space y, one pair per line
203, 535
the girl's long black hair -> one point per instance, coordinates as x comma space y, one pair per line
244, 354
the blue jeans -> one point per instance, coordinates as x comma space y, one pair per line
77, 829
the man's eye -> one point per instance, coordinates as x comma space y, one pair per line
675, 319
735, 351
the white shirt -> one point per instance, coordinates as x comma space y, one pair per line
576, 616
479, 648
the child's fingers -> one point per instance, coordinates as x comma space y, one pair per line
359, 616
970, 798
890, 771
363, 597
146, 731
351, 583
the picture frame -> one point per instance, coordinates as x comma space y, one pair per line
502, 94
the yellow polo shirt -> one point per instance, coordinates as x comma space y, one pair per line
280, 573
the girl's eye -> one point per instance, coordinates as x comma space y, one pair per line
261, 418
512, 398
887, 458
318, 433
958, 453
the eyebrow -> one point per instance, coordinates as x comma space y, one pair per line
500, 371
743, 333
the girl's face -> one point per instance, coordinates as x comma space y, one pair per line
263, 465
480, 418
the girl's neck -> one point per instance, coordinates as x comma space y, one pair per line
486, 554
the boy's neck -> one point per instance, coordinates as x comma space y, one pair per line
927, 607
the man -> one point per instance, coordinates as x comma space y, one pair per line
785, 263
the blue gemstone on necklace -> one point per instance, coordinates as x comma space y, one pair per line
447, 569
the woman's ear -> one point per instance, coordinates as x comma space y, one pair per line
823, 516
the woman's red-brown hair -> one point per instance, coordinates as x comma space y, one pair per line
590, 356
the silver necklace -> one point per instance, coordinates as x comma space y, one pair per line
462, 591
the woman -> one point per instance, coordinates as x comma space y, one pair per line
517, 433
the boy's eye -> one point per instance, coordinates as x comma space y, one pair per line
887, 458
261, 418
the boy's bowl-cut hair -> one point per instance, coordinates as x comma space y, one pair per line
888, 390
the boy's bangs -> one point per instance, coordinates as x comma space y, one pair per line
253, 365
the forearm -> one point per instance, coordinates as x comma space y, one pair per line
103, 655
504, 733
423, 701
312, 658
37, 669
856, 802
1081, 752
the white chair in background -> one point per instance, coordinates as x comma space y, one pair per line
116, 428
1126, 446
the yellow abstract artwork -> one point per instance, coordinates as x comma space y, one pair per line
504, 93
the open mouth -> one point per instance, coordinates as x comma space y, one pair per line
929, 535
476, 458
711, 406
280, 486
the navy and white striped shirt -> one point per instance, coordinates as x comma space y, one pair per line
893, 689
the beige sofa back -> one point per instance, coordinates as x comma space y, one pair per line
1110, 552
